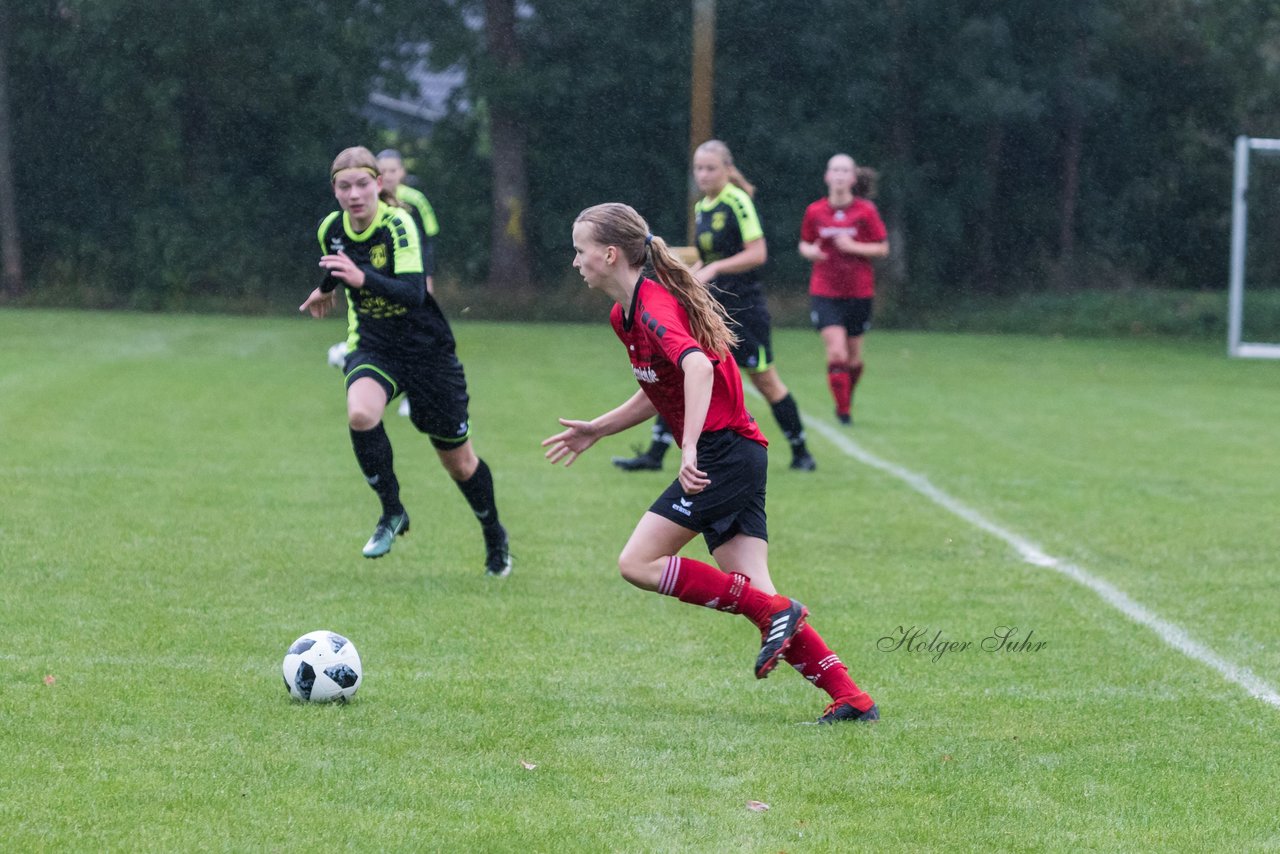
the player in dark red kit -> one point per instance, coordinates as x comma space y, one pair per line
680, 347
840, 235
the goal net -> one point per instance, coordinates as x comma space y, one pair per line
1253, 319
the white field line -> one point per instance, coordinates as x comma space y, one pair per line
1171, 633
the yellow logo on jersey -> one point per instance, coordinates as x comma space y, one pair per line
378, 256
379, 308
717, 221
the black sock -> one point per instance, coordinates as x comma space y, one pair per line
661, 439
478, 490
788, 416
373, 453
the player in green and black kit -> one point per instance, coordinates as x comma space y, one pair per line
391, 165
398, 342
731, 248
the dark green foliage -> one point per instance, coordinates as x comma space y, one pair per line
175, 155
169, 154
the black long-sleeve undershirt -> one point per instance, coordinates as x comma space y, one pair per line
409, 289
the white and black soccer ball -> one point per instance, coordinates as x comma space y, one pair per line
321, 666
338, 355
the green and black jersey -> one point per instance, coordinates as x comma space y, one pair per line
725, 225
392, 313
424, 216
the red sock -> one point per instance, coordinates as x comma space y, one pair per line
814, 660
855, 374
841, 383
702, 584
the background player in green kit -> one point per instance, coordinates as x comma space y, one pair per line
391, 165
731, 249
399, 342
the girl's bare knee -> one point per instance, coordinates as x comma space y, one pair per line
361, 420
637, 571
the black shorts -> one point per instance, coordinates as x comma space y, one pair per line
853, 314
754, 351
434, 384
734, 501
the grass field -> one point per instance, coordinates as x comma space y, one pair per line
180, 502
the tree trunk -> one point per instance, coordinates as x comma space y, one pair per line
1072, 151
509, 245
11, 279
985, 242
900, 144
701, 94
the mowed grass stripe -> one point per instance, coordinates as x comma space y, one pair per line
1174, 635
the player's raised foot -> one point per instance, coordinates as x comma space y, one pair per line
640, 462
497, 554
839, 712
803, 461
389, 527
782, 627
844, 418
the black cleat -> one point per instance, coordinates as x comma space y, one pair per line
846, 419
803, 461
783, 626
389, 527
840, 712
642, 462
497, 555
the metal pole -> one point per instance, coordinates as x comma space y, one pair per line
700, 99
1239, 218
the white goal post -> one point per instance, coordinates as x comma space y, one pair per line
1239, 222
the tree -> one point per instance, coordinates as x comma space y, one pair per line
152, 139
10, 247
509, 243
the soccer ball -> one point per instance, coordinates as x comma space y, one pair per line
338, 354
322, 666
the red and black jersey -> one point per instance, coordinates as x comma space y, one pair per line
655, 331
842, 276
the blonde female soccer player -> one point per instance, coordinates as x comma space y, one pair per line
678, 342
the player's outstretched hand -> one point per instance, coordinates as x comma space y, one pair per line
692, 479
319, 303
569, 444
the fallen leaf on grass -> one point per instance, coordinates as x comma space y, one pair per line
50, 679
757, 806
528, 766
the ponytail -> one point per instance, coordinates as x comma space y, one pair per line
708, 320
866, 182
